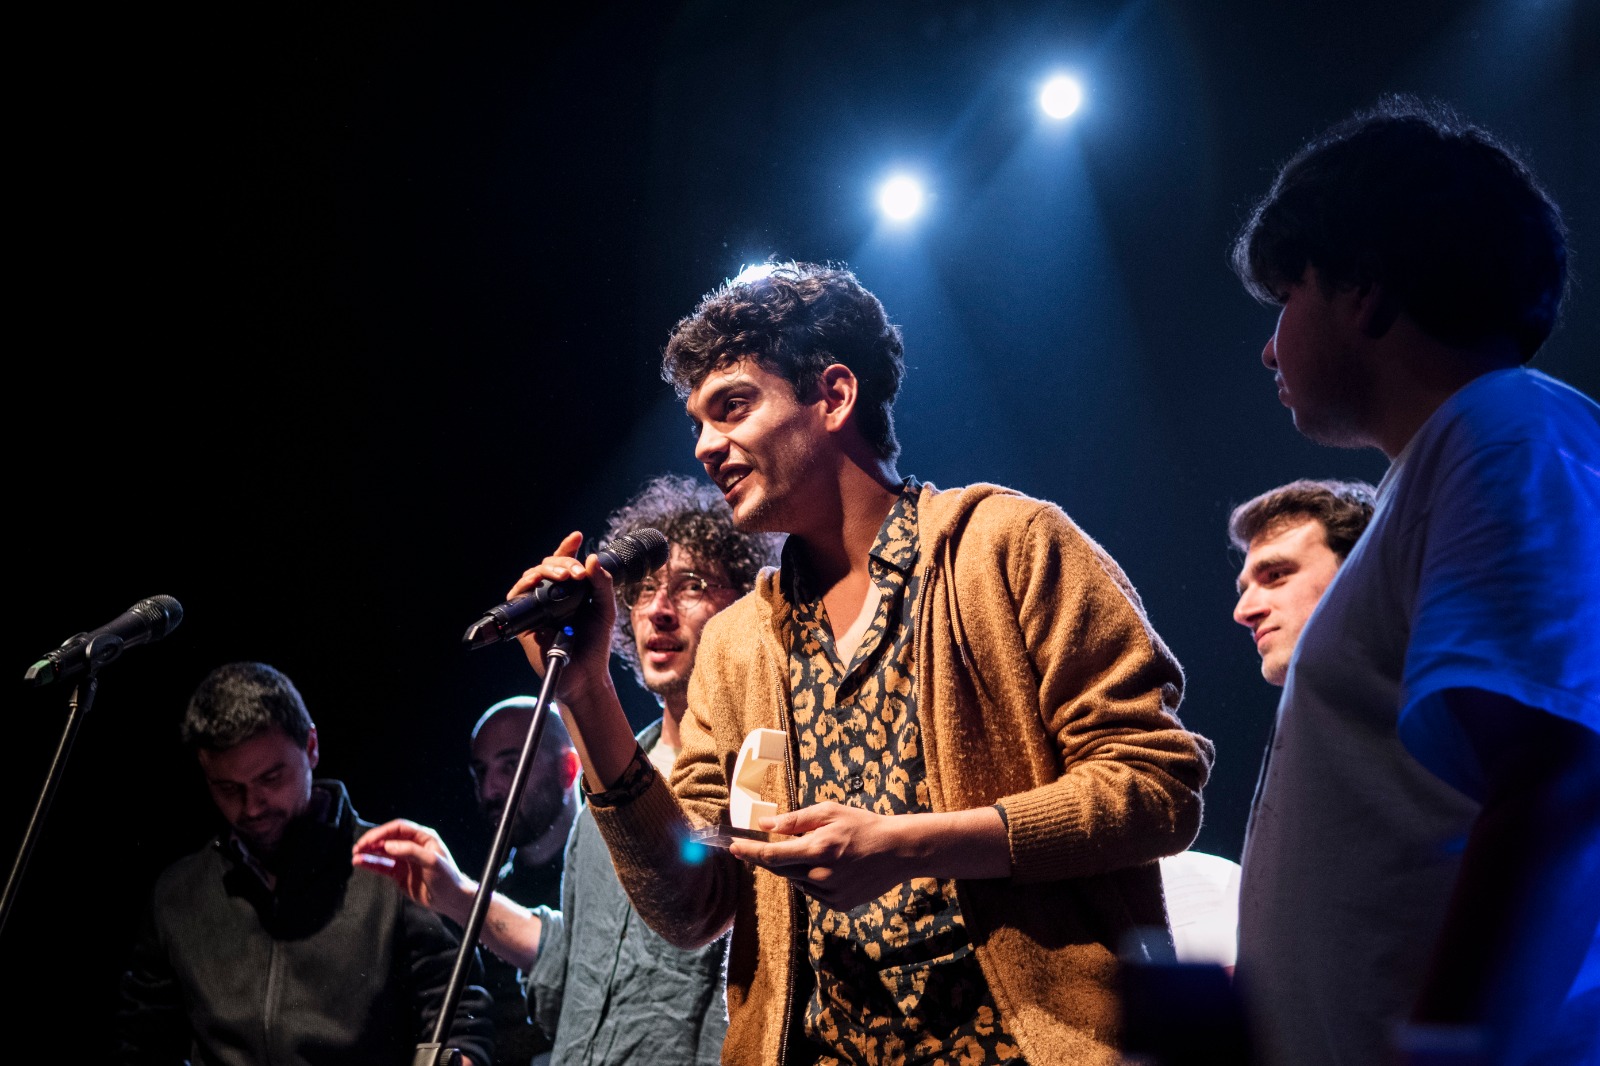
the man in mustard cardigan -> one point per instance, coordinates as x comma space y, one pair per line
984, 761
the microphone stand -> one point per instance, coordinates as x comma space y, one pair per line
434, 1053
78, 703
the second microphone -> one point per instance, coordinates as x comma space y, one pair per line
629, 558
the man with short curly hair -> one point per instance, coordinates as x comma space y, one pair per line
605, 986
1293, 539
982, 755
695, 520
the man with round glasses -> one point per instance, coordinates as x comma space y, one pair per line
605, 986
660, 631
686, 589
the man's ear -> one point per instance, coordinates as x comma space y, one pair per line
1376, 310
836, 391
311, 747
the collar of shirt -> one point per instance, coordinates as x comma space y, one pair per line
895, 546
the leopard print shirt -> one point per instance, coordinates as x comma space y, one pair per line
895, 979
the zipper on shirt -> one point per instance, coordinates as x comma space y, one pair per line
269, 1004
924, 596
796, 901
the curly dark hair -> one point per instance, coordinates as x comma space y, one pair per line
694, 516
796, 319
238, 701
1343, 507
1437, 211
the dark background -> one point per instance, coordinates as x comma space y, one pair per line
342, 314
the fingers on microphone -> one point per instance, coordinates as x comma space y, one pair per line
530, 577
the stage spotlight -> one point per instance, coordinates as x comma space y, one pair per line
1060, 96
900, 197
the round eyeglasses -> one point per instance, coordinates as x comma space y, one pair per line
685, 590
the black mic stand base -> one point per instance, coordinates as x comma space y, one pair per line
434, 1055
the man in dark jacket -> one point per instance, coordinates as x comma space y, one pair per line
264, 945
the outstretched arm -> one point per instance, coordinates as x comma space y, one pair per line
415, 858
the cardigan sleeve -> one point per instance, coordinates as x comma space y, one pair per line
1127, 788
685, 891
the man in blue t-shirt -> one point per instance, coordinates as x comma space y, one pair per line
1420, 866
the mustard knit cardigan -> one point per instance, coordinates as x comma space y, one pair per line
1041, 687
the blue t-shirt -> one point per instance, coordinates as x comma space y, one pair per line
1480, 569
1499, 503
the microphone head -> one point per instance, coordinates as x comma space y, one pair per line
150, 619
162, 612
632, 556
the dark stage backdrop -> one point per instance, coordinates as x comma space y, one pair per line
342, 314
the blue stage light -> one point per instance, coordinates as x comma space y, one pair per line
1061, 96
901, 197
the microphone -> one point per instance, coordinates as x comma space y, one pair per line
628, 558
149, 619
